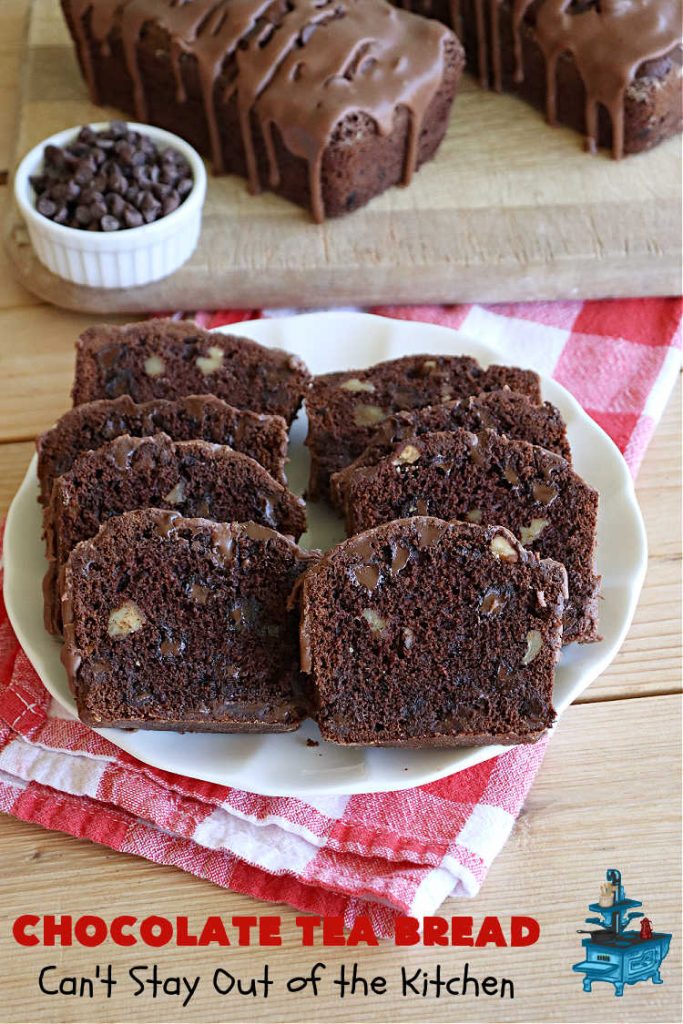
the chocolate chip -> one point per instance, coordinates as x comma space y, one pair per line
46, 207
54, 155
115, 204
109, 223
170, 203
82, 215
132, 217
117, 182
98, 209
83, 173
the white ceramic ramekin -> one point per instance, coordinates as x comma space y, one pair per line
114, 259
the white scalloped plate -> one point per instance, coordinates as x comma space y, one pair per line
284, 764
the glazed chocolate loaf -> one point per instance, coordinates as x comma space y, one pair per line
171, 358
611, 71
505, 411
345, 409
173, 623
128, 473
423, 633
489, 479
326, 102
194, 417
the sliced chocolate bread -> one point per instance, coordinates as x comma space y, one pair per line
507, 412
422, 633
489, 479
173, 623
344, 409
194, 477
171, 358
200, 417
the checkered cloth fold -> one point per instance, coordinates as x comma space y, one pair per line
378, 854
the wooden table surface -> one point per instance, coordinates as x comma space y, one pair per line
608, 793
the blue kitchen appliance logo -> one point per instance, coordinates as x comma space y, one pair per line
614, 954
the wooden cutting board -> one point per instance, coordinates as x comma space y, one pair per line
509, 210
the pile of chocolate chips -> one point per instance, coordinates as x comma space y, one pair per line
110, 180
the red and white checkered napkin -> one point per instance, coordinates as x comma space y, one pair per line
379, 854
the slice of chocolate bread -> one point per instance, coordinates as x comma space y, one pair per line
194, 477
505, 411
194, 417
171, 358
344, 409
489, 479
423, 633
173, 623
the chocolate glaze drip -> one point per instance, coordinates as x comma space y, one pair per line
608, 41
302, 67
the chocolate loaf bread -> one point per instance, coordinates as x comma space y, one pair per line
507, 412
489, 479
345, 409
194, 417
423, 633
128, 473
611, 71
173, 623
326, 102
171, 358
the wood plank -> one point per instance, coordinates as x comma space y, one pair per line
13, 25
614, 758
509, 210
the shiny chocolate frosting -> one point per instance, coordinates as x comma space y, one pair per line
608, 40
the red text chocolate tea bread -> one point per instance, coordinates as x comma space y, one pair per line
505, 411
423, 633
345, 409
607, 68
171, 358
326, 102
202, 417
489, 479
173, 623
194, 477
